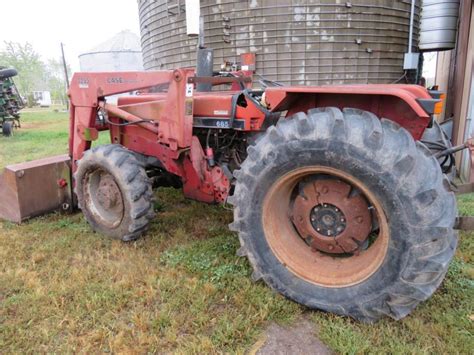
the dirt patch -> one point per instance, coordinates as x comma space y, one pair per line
299, 338
31, 125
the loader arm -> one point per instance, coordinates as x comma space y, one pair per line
89, 90
161, 127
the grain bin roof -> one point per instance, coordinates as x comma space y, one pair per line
125, 41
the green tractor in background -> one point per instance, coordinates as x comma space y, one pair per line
10, 102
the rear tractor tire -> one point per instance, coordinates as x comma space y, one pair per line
114, 192
346, 213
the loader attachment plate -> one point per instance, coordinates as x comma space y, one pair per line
34, 188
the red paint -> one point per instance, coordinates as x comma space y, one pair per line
169, 135
395, 102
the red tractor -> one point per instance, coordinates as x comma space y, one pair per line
338, 203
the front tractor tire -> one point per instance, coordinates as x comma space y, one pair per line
346, 213
114, 192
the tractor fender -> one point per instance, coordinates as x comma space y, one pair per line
403, 104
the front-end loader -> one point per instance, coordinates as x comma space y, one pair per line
342, 195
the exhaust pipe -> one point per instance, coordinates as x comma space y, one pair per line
204, 67
204, 56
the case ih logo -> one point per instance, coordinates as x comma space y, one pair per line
120, 80
115, 80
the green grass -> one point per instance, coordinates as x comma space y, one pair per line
43, 134
181, 288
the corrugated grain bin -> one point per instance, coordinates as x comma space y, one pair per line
296, 42
120, 53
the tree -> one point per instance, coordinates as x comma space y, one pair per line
31, 70
33, 73
56, 81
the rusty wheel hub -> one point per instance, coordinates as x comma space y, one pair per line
344, 210
331, 217
328, 220
104, 198
108, 193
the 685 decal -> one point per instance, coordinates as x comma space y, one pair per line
222, 124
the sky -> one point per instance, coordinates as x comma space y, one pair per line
80, 25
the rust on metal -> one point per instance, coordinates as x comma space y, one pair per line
329, 218
464, 189
326, 268
34, 188
103, 198
152, 110
88, 133
287, 36
470, 146
218, 80
464, 223
118, 112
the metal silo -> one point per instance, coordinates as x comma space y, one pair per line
119, 53
439, 23
296, 42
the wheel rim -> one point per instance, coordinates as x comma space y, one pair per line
325, 226
103, 198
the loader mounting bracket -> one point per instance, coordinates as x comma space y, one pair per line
464, 223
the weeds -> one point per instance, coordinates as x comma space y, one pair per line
181, 288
